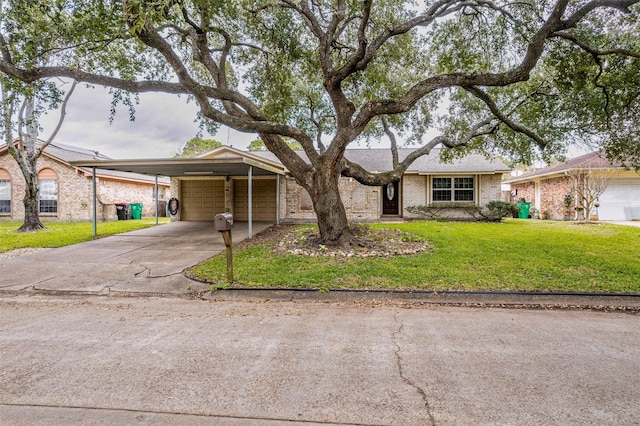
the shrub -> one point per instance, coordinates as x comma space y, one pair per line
494, 211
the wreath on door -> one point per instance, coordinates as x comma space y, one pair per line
391, 191
173, 206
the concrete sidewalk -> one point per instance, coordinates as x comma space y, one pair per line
147, 261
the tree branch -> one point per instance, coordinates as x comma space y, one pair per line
63, 113
621, 5
418, 91
392, 139
366, 177
592, 50
495, 110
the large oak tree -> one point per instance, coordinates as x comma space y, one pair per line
519, 79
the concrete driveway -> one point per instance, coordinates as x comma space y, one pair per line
147, 261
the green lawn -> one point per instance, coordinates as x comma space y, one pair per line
59, 234
522, 255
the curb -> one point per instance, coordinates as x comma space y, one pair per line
601, 302
627, 303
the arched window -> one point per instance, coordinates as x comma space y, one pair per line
48, 183
5, 192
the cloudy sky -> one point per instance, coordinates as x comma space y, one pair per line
163, 124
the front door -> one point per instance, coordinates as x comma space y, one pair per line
390, 199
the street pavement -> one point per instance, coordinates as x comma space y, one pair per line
164, 361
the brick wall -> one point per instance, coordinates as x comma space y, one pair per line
552, 193
362, 203
414, 193
524, 190
116, 191
490, 188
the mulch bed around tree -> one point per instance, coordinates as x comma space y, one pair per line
290, 239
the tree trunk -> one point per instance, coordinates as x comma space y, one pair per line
31, 207
330, 211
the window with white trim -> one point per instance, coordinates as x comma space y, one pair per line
48, 200
5, 196
448, 189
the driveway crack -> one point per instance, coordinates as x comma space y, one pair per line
407, 380
147, 270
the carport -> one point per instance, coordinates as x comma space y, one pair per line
223, 162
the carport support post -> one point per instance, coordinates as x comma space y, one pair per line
95, 204
155, 195
277, 199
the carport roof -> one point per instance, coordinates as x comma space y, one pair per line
184, 167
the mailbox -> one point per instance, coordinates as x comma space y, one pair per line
223, 222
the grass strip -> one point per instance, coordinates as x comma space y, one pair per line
59, 234
516, 255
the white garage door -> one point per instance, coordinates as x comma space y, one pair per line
621, 200
201, 199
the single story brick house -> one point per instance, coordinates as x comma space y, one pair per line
66, 190
547, 188
219, 181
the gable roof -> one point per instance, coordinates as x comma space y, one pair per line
592, 160
229, 152
380, 160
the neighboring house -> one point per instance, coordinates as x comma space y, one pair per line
218, 181
547, 188
66, 190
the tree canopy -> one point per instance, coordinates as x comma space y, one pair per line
258, 145
522, 80
196, 146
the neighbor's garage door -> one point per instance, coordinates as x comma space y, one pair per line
201, 199
264, 200
621, 200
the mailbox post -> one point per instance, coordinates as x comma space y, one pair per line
223, 223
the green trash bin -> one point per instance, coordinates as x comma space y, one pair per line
524, 210
136, 210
